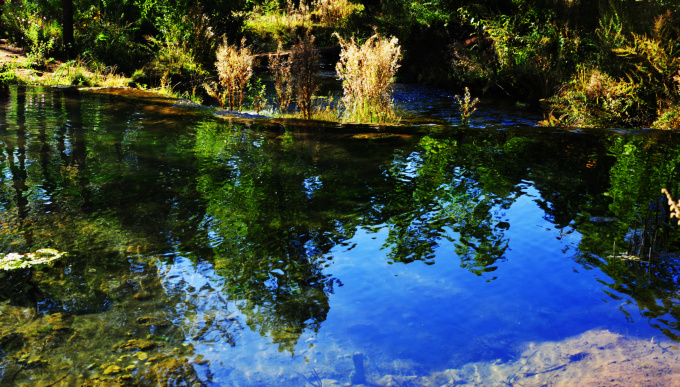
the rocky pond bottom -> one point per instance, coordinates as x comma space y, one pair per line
145, 242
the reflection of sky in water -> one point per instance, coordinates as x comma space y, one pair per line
409, 319
311, 184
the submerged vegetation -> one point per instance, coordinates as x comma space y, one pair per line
13, 261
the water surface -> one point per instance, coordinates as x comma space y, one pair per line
226, 251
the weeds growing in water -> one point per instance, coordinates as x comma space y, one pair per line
304, 67
280, 67
467, 105
367, 75
235, 68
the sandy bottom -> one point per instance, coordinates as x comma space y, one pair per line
595, 358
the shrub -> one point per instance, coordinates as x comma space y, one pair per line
112, 44
669, 119
304, 67
174, 59
235, 68
367, 75
8, 73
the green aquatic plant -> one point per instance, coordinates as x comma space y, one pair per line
467, 105
14, 261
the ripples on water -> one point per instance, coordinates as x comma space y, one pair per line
236, 252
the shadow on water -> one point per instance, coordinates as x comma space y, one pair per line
235, 251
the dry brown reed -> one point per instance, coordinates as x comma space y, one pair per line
280, 66
304, 67
235, 68
367, 75
674, 207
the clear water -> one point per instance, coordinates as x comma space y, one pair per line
220, 251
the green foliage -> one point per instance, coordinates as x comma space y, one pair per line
275, 21
668, 119
112, 44
257, 94
173, 59
534, 53
638, 89
335, 13
8, 73
593, 98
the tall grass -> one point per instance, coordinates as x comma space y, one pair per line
367, 75
234, 68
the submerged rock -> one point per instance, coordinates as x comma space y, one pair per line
135, 345
174, 371
11, 343
603, 219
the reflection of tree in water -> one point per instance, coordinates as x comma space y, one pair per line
642, 167
434, 198
269, 230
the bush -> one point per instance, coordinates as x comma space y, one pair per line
8, 73
111, 44
669, 119
534, 53
367, 74
173, 59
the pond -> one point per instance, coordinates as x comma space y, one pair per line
226, 251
